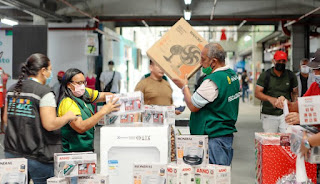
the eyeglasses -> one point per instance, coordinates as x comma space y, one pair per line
79, 82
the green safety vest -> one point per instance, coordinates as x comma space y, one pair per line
73, 141
218, 118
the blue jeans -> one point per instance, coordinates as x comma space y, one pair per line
220, 150
37, 171
244, 92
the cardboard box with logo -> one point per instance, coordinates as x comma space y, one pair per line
56, 180
177, 174
14, 170
178, 52
192, 150
149, 173
75, 164
93, 179
130, 103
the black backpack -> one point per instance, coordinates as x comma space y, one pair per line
267, 80
109, 85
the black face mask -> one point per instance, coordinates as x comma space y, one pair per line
280, 67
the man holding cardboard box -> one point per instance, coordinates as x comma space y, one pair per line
215, 104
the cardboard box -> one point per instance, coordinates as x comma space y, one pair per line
93, 179
159, 114
14, 170
296, 138
309, 110
192, 150
274, 161
177, 174
149, 173
130, 103
56, 180
178, 52
75, 164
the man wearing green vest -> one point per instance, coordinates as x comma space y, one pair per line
215, 104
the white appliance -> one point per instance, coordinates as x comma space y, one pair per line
120, 147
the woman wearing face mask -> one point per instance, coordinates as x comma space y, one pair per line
30, 114
78, 135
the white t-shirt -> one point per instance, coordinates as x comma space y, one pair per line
207, 92
106, 77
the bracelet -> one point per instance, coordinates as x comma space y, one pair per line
184, 87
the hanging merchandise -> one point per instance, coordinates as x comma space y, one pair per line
223, 35
92, 45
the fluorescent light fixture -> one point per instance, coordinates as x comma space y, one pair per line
247, 38
187, 14
9, 22
187, 2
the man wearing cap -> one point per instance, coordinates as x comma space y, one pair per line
56, 86
273, 83
111, 78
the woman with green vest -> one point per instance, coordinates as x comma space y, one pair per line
78, 135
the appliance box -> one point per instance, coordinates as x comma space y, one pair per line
14, 170
192, 150
130, 103
121, 146
56, 180
75, 164
93, 179
178, 174
149, 173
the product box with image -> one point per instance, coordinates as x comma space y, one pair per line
177, 174
75, 164
130, 103
274, 161
178, 52
309, 110
149, 173
296, 138
159, 114
204, 175
93, 179
14, 170
57, 180
222, 174
192, 150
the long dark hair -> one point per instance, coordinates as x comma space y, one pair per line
32, 66
65, 91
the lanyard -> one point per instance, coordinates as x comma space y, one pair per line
34, 79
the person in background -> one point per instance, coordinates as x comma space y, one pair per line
110, 80
215, 104
271, 84
244, 84
4, 77
305, 77
33, 130
56, 86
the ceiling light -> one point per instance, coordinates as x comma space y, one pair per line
9, 22
247, 38
187, 14
187, 2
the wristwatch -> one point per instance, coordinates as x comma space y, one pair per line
307, 144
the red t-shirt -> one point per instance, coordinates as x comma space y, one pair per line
313, 90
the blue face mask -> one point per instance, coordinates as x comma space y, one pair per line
48, 80
317, 79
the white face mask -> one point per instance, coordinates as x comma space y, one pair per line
304, 69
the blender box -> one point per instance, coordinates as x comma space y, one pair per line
274, 161
93, 179
192, 150
178, 52
75, 164
56, 180
177, 174
296, 138
149, 173
14, 170
159, 114
130, 103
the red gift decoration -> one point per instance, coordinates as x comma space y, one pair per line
223, 35
274, 161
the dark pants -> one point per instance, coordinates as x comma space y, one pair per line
244, 92
37, 171
220, 150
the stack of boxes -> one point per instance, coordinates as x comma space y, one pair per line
82, 165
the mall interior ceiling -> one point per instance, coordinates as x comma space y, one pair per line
166, 12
